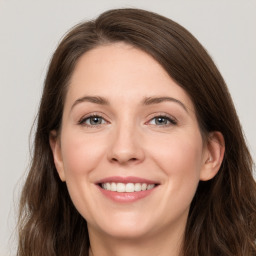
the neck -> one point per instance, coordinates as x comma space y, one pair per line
165, 244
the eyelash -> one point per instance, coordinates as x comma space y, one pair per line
83, 120
170, 120
167, 118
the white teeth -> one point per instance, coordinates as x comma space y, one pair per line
113, 186
120, 187
143, 186
108, 186
137, 187
150, 186
127, 187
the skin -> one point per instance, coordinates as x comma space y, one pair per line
127, 141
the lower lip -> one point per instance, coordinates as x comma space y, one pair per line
126, 197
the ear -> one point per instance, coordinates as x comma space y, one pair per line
213, 157
57, 155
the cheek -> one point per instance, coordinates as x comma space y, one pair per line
80, 153
180, 158
177, 154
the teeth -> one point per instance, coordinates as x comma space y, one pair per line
113, 186
150, 186
137, 187
127, 187
108, 186
120, 187
143, 186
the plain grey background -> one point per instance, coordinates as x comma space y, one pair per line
31, 30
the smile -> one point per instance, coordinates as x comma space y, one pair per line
127, 187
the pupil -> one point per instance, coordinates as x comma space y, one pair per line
161, 120
95, 120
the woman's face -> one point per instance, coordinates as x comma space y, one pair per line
127, 126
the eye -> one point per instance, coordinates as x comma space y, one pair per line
162, 121
93, 120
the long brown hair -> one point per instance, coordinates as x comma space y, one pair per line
222, 217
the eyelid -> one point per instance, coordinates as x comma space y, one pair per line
82, 120
173, 120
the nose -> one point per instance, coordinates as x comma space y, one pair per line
126, 146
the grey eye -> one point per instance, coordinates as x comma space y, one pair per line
161, 120
94, 120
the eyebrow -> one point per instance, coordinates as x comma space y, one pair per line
147, 101
157, 100
93, 99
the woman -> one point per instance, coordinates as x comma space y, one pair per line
138, 148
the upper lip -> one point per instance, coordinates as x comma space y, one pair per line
128, 179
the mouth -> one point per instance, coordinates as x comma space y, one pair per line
126, 189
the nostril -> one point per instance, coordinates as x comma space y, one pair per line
133, 159
114, 160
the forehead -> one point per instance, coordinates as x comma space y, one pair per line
121, 71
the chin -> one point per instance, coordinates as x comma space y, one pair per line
125, 227
127, 232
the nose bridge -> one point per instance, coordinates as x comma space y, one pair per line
126, 142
